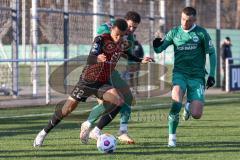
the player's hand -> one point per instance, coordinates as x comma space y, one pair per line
147, 60
210, 81
101, 58
157, 42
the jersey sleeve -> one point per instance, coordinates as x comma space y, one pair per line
209, 49
167, 41
95, 49
208, 45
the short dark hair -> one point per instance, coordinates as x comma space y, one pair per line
133, 16
228, 38
189, 11
121, 24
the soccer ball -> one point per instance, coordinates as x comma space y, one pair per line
106, 143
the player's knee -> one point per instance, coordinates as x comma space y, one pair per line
196, 109
177, 94
196, 115
68, 107
119, 102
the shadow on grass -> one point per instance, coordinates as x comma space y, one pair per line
146, 149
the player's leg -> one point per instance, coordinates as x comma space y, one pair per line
123, 134
111, 96
97, 111
178, 91
79, 93
125, 112
101, 107
186, 112
196, 95
59, 114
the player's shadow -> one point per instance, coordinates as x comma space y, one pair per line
213, 144
182, 148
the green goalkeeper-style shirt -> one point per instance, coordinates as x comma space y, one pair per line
190, 49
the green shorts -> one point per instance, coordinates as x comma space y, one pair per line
193, 86
117, 81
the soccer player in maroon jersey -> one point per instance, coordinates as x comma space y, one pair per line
103, 57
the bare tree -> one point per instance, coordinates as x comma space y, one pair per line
238, 15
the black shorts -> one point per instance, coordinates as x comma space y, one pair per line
84, 89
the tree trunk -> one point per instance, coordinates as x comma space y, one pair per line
238, 15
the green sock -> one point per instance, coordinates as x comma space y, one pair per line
125, 113
173, 117
96, 112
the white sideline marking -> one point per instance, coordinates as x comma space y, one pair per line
135, 107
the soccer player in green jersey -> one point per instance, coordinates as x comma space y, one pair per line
133, 19
191, 45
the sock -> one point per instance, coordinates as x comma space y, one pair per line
125, 114
107, 118
173, 117
172, 137
88, 123
187, 106
56, 118
96, 112
123, 127
96, 130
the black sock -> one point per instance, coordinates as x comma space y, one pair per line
107, 118
56, 118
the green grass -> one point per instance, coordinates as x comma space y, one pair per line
215, 136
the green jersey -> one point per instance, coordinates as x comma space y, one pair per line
190, 49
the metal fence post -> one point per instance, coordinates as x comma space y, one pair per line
66, 41
162, 22
151, 33
218, 37
34, 46
47, 70
227, 75
97, 8
15, 45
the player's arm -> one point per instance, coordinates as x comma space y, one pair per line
134, 58
95, 51
160, 44
128, 53
209, 49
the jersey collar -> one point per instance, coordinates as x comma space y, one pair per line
194, 25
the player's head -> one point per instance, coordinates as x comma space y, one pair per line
227, 40
133, 19
118, 29
188, 17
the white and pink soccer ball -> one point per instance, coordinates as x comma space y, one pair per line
106, 143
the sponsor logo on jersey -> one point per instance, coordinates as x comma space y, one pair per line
95, 48
187, 47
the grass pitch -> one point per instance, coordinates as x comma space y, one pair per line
215, 136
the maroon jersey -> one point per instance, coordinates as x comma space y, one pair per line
100, 71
